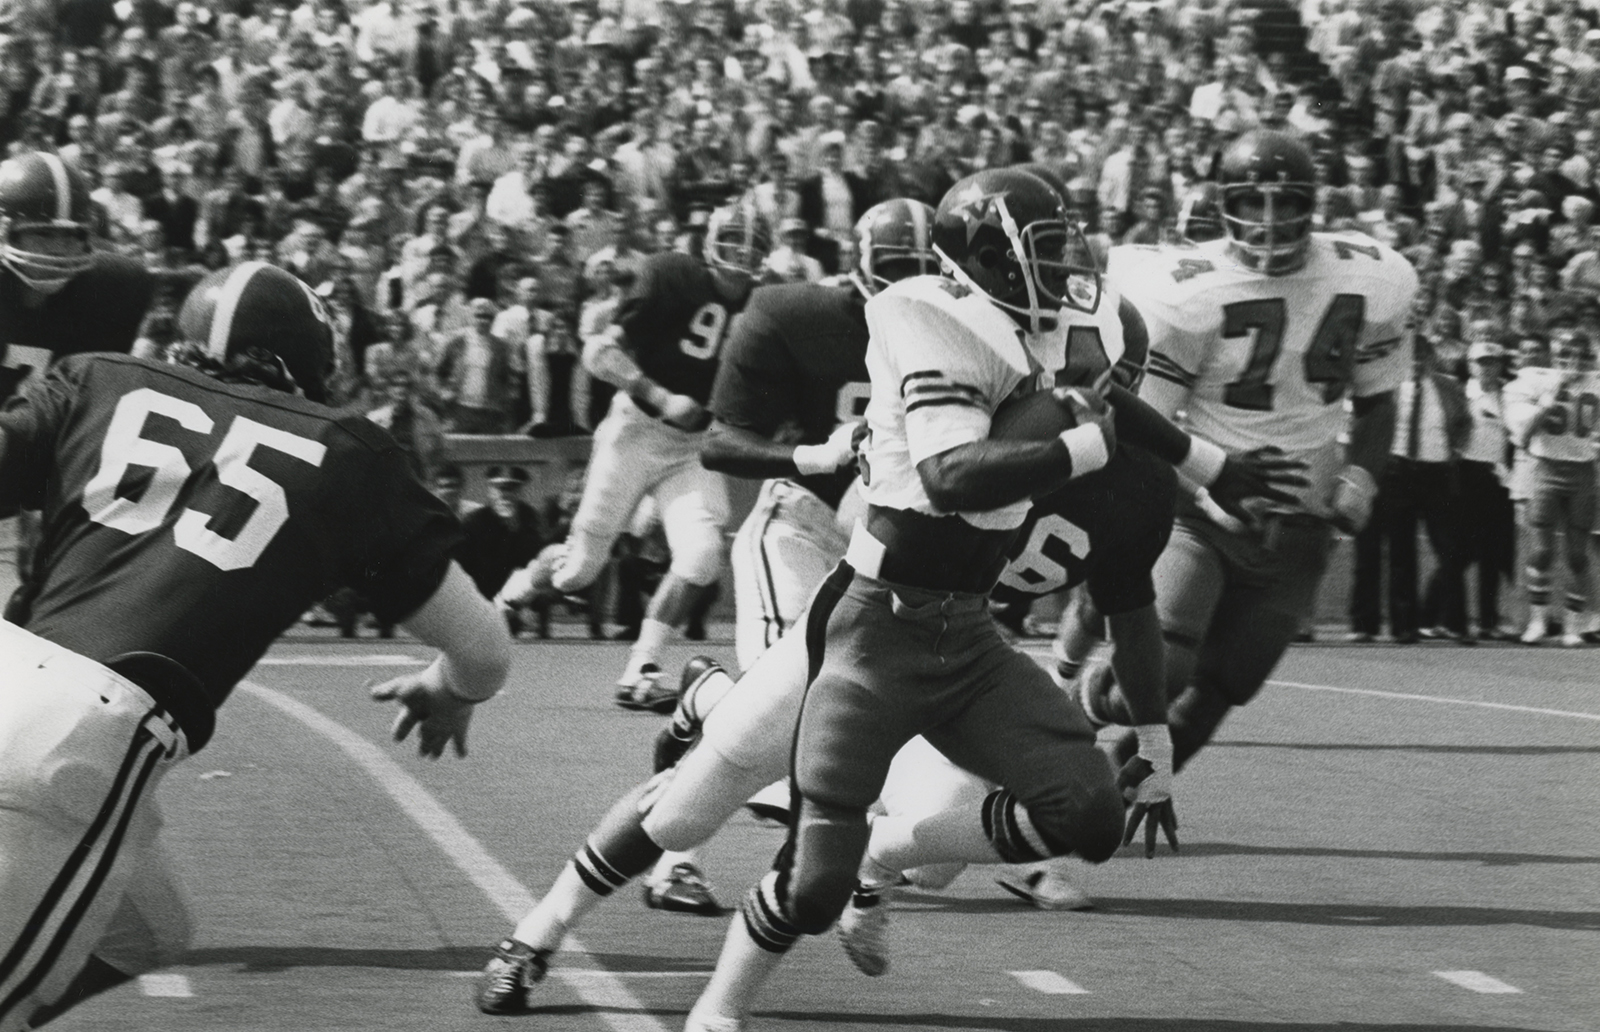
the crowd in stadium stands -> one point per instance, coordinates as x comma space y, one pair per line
467, 183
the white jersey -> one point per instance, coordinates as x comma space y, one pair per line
1569, 433
1254, 360
941, 360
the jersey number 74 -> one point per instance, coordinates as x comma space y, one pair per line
1329, 361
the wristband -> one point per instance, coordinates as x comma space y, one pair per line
1155, 744
1087, 447
1204, 462
814, 459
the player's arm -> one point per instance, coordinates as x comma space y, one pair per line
1139, 660
739, 452
608, 356
963, 471
474, 658
1527, 406
1230, 478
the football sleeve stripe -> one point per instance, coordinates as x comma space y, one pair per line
1163, 366
943, 399
910, 390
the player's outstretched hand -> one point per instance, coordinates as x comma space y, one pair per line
440, 716
1262, 473
1090, 409
1149, 791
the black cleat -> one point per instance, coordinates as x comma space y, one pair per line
508, 980
684, 892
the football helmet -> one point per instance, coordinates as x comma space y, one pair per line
261, 308
1200, 214
1268, 195
895, 244
1004, 233
1048, 174
738, 239
44, 220
1571, 351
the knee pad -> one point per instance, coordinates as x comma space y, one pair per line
580, 565
828, 845
1089, 826
700, 561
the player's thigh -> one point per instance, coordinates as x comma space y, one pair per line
1581, 509
694, 507
624, 463
1023, 733
787, 546
1256, 621
923, 781
753, 726
1189, 577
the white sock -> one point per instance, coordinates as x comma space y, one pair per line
568, 900
742, 969
653, 635
664, 866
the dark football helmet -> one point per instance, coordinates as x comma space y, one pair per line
1268, 195
738, 239
257, 308
1200, 214
1004, 233
44, 220
895, 242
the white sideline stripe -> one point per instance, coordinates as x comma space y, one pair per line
602, 990
381, 659
1440, 699
1477, 981
1048, 982
165, 985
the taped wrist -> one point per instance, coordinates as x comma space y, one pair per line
815, 459
1087, 447
1155, 745
1204, 462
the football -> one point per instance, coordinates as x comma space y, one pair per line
1032, 417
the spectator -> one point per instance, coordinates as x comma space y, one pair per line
478, 376
831, 200
1485, 500
789, 261
502, 536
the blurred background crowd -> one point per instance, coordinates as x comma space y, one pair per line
467, 183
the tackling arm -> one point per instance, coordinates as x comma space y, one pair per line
474, 658
739, 452
606, 356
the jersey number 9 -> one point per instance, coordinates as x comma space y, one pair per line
705, 332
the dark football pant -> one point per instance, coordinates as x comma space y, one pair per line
1230, 605
893, 662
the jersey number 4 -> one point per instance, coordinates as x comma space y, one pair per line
124, 447
1330, 361
1041, 567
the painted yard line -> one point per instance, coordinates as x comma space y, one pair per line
1477, 981
576, 973
606, 994
1436, 698
1048, 982
343, 661
165, 985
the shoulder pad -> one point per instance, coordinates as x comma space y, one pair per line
986, 325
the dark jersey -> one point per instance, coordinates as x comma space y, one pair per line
1106, 528
100, 309
675, 319
796, 365
198, 520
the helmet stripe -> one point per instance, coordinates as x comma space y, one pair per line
919, 231
227, 304
58, 172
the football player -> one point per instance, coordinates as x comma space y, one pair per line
58, 295
661, 353
192, 512
1553, 414
1259, 337
748, 726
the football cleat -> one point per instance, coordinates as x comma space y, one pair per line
507, 983
864, 931
1046, 890
771, 805
684, 892
713, 1023
1536, 631
646, 692
1572, 639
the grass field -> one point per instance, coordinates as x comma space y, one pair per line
1387, 839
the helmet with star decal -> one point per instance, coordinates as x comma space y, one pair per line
1004, 233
